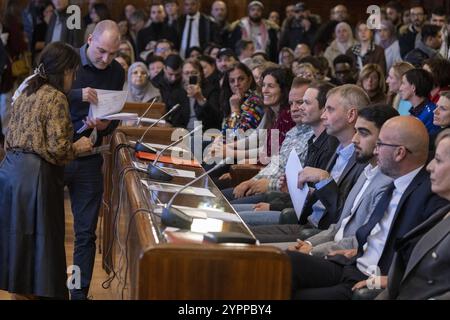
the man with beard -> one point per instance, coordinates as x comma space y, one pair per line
168, 81
364, 195
219, 13
262, 32
157, 30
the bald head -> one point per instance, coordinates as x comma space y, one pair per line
403, 146
410, 132
104, 44
108, 29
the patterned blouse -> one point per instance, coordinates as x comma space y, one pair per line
252, 111
40, 123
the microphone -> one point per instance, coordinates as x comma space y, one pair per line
148, 109
155, 172
139, 146
173, 217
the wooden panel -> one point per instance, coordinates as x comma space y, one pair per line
155, 112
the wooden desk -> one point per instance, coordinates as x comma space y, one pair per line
155, 112
158, 267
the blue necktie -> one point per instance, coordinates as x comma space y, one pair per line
378, 213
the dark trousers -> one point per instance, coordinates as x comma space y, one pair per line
316, 278
283, 232
84, 179
254, 199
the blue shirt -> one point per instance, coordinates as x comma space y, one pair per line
344, 155
111, 78
425, 113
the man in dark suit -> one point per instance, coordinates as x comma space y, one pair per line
402, 150
194, 28
58, 30
333, 184
420, 267
157, 30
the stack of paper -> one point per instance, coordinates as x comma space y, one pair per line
298, 196
173, 188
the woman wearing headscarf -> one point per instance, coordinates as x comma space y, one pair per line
140, 89
344, 41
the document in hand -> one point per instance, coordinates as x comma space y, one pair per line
298, 196
110, 102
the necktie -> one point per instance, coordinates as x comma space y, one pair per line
363, 233
188, 41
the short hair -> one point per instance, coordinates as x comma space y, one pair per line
311, 60
322, 87
429, 30
370, 68
173, 61
197, 66
440, 69
208, 59
352, 95
439, 11
378, 113
397, 6
300, 81
152, 59
343, 58
138, 15
241, 45
102, 11
262, 54
422, 80
170, 43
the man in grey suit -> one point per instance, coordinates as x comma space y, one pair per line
426, 274
364, 195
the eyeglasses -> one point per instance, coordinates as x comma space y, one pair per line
381, 144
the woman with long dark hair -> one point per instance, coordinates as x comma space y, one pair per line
38, 145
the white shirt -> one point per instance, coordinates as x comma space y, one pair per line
195, 41
376, 241
369, 172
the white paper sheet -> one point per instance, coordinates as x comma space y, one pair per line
172, 188
298, 196
109, 102
172, 171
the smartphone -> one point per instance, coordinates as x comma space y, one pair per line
193, 80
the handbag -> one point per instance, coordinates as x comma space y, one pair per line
21, 66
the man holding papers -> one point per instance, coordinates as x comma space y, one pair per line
83, 176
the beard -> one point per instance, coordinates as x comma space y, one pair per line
255, 19
363, 158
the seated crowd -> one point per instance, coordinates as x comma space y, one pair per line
366, 111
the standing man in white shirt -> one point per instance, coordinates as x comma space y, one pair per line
194, 28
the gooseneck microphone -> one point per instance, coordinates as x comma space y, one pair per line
173, 217
145, 113
155, 172
139, 146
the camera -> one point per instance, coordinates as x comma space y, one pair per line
193, 80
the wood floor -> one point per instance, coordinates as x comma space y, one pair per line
96, 291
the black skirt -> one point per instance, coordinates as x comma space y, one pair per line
32, 253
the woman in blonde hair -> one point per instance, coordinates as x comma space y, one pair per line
394, 80
371, 79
